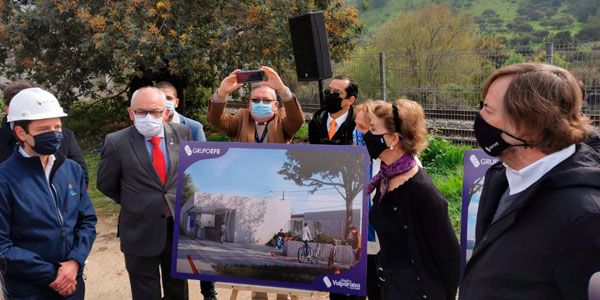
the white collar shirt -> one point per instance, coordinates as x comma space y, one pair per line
520, 180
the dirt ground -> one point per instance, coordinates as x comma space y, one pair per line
107, 277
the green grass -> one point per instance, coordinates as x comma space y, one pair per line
444, 163
301, 137
101, 203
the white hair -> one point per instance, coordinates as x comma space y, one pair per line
162, 95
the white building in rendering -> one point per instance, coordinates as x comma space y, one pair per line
247, 220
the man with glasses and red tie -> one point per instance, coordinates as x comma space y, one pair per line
334, 122
262, 122
138, 170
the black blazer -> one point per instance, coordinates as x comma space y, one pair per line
546, 245
317, 129
433, 245
126, 175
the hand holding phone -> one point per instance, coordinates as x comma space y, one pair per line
249, 76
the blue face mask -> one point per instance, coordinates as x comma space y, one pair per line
171, 106
47, 143
357, 137
262, 110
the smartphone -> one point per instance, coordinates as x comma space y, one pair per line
249, 76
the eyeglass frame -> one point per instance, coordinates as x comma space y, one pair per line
154, 113
263, 100
328, 91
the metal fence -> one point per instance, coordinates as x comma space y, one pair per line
448, 83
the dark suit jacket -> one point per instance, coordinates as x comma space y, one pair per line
126, 175
318, 133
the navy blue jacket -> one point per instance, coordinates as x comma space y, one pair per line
42, 225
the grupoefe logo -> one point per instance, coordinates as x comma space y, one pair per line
327, 281
482, 161
474, 161
188, 150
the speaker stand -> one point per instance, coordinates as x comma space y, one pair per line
321, 99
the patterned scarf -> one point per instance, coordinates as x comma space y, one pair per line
402, 165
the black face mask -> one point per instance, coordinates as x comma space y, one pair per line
490, 138
333, 103
375, 144
47, 143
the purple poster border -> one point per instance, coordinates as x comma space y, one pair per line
476, 163
352, 281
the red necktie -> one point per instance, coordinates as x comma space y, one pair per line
158, 159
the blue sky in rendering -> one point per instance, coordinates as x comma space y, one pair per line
472, 215
253, 173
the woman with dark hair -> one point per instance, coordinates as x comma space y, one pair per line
420, 255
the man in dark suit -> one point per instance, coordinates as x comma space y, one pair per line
334, 122
138, 170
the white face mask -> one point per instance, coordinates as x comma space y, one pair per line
171, 106
148, 126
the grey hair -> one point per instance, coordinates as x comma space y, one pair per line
162, 95
264, 86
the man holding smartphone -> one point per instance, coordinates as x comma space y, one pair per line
262, 122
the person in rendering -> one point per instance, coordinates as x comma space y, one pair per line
306, 236
47, 221
138, 170
420, 255
354, 241
537, 234
280, 239
262, 122
223, 233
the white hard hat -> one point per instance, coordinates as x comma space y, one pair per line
34, 104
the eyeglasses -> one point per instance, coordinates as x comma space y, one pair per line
264, 100
143, 113
335, 92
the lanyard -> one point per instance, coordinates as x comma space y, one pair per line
262, 138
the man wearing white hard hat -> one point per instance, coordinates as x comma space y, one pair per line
47, 222
8, 141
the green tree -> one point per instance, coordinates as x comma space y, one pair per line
342, 171
88, 48
591, 29
188, 188
430, 47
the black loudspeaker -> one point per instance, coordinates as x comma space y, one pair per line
311, 51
